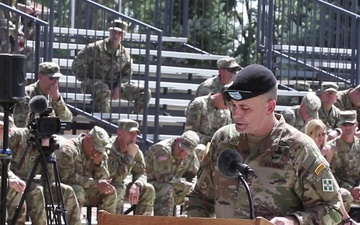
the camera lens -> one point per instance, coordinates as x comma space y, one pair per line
48, 126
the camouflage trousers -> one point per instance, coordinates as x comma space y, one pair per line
101, 95
167, 196
12, 202
71, 204
92, 196
146, 198
35, 201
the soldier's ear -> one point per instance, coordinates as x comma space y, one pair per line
271, 106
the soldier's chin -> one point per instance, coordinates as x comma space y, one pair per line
240, 127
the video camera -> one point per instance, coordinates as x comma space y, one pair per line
43, 126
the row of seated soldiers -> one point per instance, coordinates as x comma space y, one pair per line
327, 115
207, 112
93, 168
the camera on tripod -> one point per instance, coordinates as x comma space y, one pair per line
44, 126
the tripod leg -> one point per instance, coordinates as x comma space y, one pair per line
28, 185
52, 211
61, 210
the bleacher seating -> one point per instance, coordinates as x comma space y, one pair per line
178, 83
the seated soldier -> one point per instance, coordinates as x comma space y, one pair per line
206, 114
299, 115
82, 163
47, 85
125, 158
24, 155
171, 166
16, 186
105, 71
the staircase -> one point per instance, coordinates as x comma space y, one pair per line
318, 44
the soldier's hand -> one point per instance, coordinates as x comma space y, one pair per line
355, 192
284, 221
134, 194
115, 93
54, 92
132, 149
18, 184
105, 186
98, 158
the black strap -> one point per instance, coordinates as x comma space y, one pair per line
347, 221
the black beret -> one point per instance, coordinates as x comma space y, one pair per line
251, 81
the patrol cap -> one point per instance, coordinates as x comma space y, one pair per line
119, 25
50, 69
251, 81
227, 63
189, 140
11, 120
329, 86
348, 116
99, 137
128, 125
312, 104
302, 86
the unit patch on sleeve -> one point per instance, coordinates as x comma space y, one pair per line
327, 185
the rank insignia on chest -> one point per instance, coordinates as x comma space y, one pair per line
327, 185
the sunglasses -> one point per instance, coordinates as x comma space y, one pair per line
347, 124
232, 70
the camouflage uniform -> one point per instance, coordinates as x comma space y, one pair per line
28, 51
122, 165
292, 116
171, 178
203, 118
13, 198
214, 84
100, 69
331, 118
345, 163
21, 109
291, 178
345, 166
344, 103
82, 174
6, 30
22, 163
12, 201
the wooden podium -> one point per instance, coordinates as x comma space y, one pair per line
105, 218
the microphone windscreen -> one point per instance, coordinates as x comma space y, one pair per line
226, 161
38, 104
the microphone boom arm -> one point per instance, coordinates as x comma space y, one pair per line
240, 177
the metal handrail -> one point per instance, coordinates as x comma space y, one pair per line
38, 22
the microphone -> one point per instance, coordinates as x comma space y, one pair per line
230, 164
38, 104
